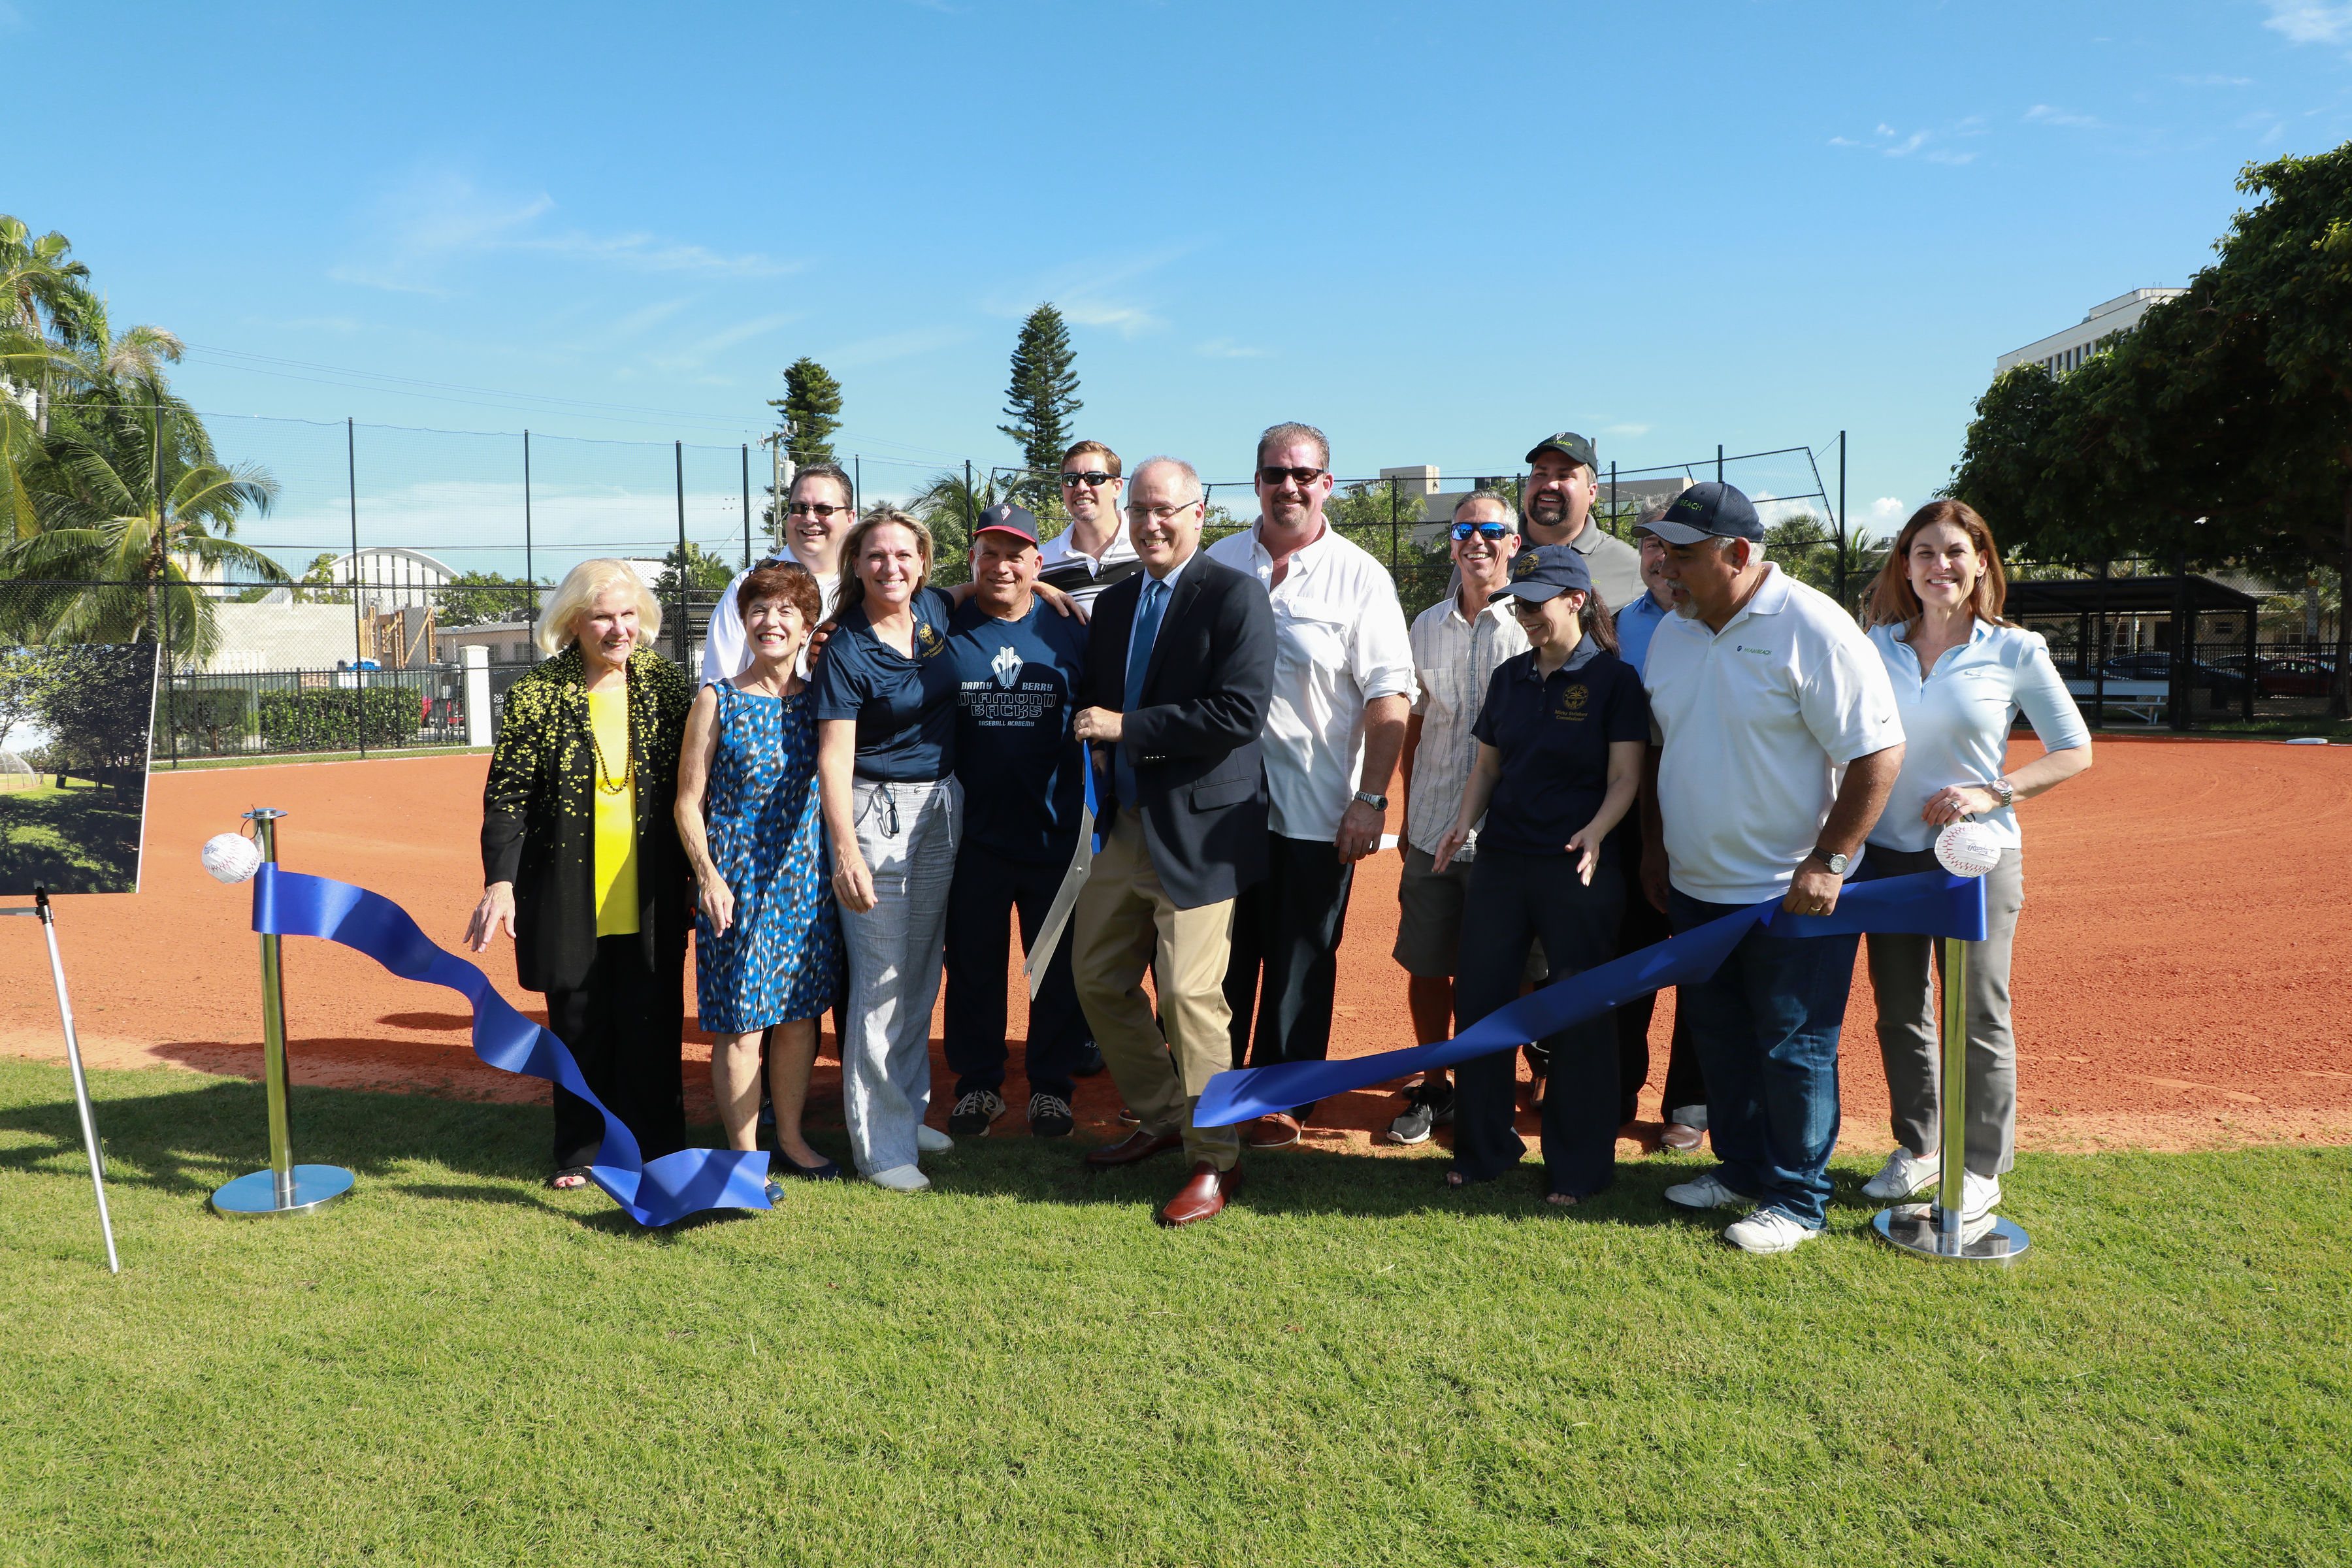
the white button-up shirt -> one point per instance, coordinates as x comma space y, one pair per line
1759, 721
727, 651
1957, 718
1340, 642
1454, 659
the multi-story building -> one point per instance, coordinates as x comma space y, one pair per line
2061, 352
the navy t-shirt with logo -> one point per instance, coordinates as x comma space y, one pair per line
1014, 754
1554, 734
905, 706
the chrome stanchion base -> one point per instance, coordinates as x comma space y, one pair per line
255, 1197
1912, 1229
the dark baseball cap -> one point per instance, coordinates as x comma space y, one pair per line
1006, 517
1545, 571
1711, 511
1569, 445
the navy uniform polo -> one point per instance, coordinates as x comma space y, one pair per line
1554, 734
905, 708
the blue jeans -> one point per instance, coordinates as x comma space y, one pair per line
1766, 1029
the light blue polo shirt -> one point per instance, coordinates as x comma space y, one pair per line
1637, 623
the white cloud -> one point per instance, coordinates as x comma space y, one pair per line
412, 232
1931, 144
2215, 80
1628, 430
2044, 114
893, 345
1888, 511
1092, 293
1225, 348
2303, 23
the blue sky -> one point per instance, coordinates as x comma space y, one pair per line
1437, 231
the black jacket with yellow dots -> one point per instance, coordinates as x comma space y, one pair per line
539, 821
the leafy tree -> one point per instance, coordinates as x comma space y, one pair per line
316, 577
485, 598
99, 708
810, 411
46, 308
703, 570
2219, 432
947, 506
28, 674
1040, 401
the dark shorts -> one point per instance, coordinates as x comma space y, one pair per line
1429, 921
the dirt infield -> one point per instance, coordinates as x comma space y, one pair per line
2178, 988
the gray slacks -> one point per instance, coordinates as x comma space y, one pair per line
908, 834
1907, 1024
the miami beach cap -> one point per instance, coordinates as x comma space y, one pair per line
1547, 572
1569, 445
1006, 517
1711, 511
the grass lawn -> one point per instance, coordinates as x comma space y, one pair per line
1349, 1367
77, 839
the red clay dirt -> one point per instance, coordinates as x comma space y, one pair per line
2178, 989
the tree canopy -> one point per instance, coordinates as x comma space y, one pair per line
1040, 401
809, 411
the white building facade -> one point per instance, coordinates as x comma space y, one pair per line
2061, 352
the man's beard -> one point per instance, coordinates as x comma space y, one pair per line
1686, 607
1536, 513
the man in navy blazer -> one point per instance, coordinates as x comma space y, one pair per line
1179, 664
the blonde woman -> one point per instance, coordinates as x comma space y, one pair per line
885, 712
581, 861
1962, 675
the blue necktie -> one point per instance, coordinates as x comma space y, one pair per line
1138, 659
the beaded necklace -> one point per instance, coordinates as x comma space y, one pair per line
605, 783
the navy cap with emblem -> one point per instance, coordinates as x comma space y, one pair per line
1545, 571
1711, 511
1006, 517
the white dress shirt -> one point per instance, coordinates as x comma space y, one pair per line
1957, 718
1759, 721
1454, 660
1340, 642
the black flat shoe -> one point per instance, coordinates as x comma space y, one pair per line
785, 1165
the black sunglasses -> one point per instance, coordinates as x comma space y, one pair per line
1095, 478
816, 508
1483, 529
1302, 478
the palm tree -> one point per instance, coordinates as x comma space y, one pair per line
45, 307
124, 488
948, 506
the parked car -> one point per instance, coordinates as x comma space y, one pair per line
2222, 682
2288, 675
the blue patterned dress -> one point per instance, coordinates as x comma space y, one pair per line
781, 959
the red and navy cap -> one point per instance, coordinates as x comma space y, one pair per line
1006, 517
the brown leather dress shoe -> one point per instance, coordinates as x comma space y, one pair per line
1136, 1145
1680, 1138
1203, 1198
1275, 1129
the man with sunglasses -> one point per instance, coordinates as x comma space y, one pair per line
818, 511
1094, 551
1456, 645
1342, 687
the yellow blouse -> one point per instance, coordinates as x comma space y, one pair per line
616, 815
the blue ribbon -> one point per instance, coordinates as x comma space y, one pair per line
1929, 903
287, 903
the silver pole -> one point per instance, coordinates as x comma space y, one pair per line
1939, 1232
285, 1187
81, 1081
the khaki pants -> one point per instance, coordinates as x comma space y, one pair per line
1123, 922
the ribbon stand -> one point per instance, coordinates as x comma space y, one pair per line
285, 1187
47, 917
1936, 1232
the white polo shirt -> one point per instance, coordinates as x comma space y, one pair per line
1339, 642
1759, 721
1080, 575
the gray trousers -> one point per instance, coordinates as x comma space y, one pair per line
1907, 1024
908, 834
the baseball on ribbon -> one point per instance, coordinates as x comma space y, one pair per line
1967, 850
231, 857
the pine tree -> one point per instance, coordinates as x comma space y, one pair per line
811, 406
1043, 397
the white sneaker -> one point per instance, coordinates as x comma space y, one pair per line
1767, 1230
1706, 1193
1903, 1175
900, 1179
930, 1140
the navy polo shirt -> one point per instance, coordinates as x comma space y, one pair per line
905, 708
1554, 735
1015, 753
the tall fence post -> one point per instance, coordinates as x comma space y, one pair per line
530, 580
1615, 518
1841, 516
747, 506
1392, 527
684, 615
359, 639
169, 704
1718, 462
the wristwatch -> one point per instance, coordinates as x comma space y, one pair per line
2002, 791
1836, 863
1377, 802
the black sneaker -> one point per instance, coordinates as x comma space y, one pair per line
1093, 1063
1049, 1116
974, 1112
1431, 1105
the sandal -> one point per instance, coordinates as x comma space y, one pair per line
1562, 1200
571, 1178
